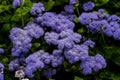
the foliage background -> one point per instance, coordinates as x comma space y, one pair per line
109, 48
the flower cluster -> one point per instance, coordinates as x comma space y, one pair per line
56, 22
21, 41
58, 31
34, 30
94, 63
101, 22
64, 40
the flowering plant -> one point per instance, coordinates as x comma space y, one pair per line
59, 40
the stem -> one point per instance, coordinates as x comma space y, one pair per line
22, 19
102, 35
77, 10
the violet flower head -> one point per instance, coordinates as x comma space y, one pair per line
69, 8
73, 1
2, 66
1, 50
21, 41
34, 30
16, 3
49, 72
51, 38
94, 63
89, 43
57, 58
37, 8
78, 52
1, 76
87, 18
88, 6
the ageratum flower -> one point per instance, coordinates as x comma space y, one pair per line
89, 43
1, 76
87, 18
78, 52
49, 72
56, 22
51, 38
35, 61
88, 6
1, 71
1, 50
21, 41
57, 58
69, 16
34, 30
69, 8
73, 1
17, 3
37, 8
94, 63
17, 64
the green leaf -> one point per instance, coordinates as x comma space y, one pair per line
80, 30
78, 78
116, 58
49, 5
113, 53
36, 45
5, 28
60, 2
22, 12
4, 8
101, 2
76, 20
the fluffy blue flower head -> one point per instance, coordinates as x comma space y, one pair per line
16, 3
37, 8
69, 8
73, 1
88, 6
1, 50
1, 76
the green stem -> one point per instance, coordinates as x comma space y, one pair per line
102, 35
22, 19
77, 10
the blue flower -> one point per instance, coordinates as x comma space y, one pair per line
1, 50
88, 6
69, 8
16, 3
37, 8
73, 1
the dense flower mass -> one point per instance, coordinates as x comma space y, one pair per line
101, 22
94, 63
57, 30
21, 41
35, 61
34, 30
56, 22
